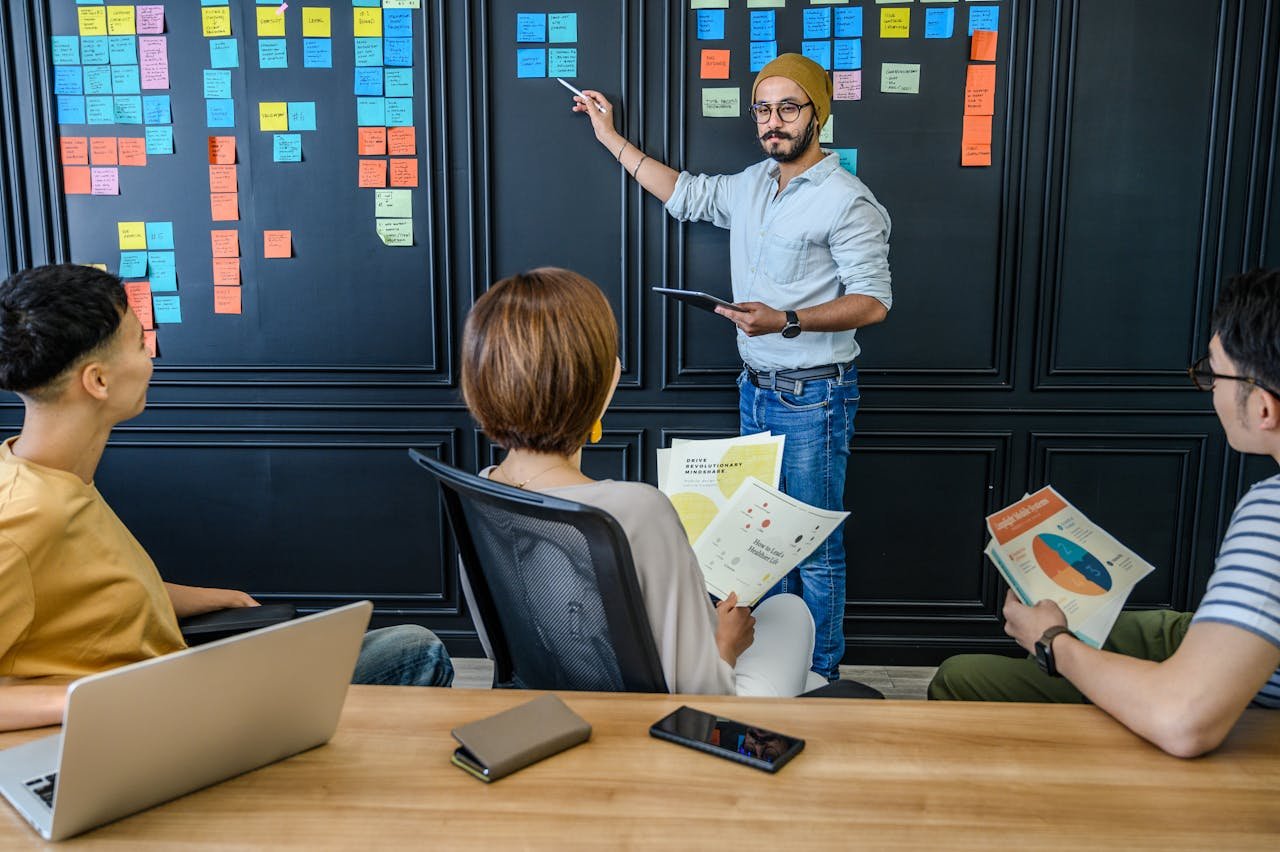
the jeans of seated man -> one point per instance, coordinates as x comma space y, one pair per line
404, 655
818, 424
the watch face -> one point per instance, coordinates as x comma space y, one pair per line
792, 330
1042, 658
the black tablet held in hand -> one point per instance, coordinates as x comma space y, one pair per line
706, 301
736, 741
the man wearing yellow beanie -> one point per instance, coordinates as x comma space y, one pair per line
809, 260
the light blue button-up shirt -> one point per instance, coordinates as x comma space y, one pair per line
822, 237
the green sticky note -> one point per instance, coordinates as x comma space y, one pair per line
900, 78
392, 204
708, 4
722, 102
396, 232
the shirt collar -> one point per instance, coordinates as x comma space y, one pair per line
816, 173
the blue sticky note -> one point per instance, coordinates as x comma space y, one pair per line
762, 53
125, 80
94, 50
123, 50
213, 2
817, 23
710, 24
763, 25
155, 109
159, 140
133, 264
317, 53
371, 112
67, 80
818, 51
128, 109
100, 110
399, 112
848, 159
397, 23
272, 53
849, 22
166, 308
368, 51
159, 235
939, 23
217, 83
398, 82
562, 62
984, 18
66, 50
71, 109
224, 53
398, 52
88, 2
220, 112
302, 115
369, 81
561, 27
531, 27
286, 148
531, 62
848, 54
97, 80
162, 270
366, 2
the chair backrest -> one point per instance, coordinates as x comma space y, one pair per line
554, 587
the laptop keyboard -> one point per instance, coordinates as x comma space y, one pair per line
43, 787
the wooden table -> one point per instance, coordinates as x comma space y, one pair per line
874, 774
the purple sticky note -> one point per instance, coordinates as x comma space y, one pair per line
150, 20
104, 181
153, 59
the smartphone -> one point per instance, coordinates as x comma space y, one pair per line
737, 741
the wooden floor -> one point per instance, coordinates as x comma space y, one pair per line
906, 682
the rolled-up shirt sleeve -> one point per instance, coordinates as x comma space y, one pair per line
702, 198
860, 248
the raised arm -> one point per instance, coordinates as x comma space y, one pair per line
656, 177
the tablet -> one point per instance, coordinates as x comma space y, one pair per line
699, 300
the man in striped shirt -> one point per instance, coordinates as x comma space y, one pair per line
1181, 680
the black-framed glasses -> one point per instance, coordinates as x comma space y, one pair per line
1203, 377
787, 111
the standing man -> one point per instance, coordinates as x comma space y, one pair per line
809, 261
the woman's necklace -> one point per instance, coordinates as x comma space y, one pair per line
509, 478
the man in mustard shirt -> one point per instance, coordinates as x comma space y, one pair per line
78, 593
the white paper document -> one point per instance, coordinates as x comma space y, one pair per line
700, 477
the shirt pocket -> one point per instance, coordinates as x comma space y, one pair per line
785, 260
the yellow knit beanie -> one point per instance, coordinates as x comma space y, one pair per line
806, 74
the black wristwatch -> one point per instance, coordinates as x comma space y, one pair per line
792, 328
1044, 650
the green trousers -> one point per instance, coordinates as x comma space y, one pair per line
1149, 635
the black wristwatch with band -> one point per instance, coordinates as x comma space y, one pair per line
792, 328
1044, 650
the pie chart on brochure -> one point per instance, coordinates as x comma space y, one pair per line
1070, 565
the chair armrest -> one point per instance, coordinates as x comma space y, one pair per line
221, 623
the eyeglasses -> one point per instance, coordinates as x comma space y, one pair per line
787, 111
1203, 377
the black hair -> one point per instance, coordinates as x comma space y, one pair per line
50, 317
1247, 322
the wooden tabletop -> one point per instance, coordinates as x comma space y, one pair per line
874, 774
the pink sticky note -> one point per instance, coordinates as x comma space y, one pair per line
153, 62
104, 181
150, 20
848, 85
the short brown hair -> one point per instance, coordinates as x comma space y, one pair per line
538, 355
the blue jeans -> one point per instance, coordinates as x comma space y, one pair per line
818, 424
404, 655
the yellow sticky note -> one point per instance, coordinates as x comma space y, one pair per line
392, 203
120, 20
133, 236
93, 20
895, 23
315, 22
273, 115
215, 21
270, 22
368, 22
395, 232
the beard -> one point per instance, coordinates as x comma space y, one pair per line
788, 153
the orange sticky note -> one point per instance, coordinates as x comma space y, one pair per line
373, 173
225, 206
404, 171
975, 154
977, 130
222, 179
373, 141
75, 150
277, 243
138, 294
133, 151
102, 151
226, 271
715, 65
222, 149
226, 300
149, 340
980, 90
76, 180
401, 142
225, 243
983, 46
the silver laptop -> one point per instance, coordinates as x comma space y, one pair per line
145, 733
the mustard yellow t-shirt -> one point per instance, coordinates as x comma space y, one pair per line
78, 594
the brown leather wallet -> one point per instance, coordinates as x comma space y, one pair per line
496, 746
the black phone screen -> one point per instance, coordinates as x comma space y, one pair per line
734, 739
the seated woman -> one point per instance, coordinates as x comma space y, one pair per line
539, 367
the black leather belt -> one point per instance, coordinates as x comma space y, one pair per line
792, 381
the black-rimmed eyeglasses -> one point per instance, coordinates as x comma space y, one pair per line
787, 111
1203, 377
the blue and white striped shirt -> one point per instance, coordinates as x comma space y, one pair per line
1244, 590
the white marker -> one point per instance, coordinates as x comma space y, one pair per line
579, 94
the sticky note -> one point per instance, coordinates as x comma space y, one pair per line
167, 308
66, 50
562, 27
273, 115
302, 115
404, 171
277, 244
159, 140
133, 264
75, 150
531, 62
762, 53
95, 50
372, 141
939, 23
397, 23
977, 130
215, 21
900, 78
150, 20
980, 90
226, 300
708, 4
97, 80
133, 151
367, 22
398, 82
847, 86
138, 294
226, 243
76, 180
764, 26
848, 54
983, 46
121, 20
159, 235
531, 27
162, 270
401, 142
398, 52
317, 53
149, 341
222, 178
226, 270
93, 22
272, 53
125, 80
980, 18
217, 83
399, 112
67, 80
848, 23
715, 65
102, 150
224, 53
848, 159
155, 109
721, 103
709, 25
562, 62
818, 51
827, 135
220, 113
368, 81
393, 203
817, 23
269, 23
98, 110
286, 148
224, 206
368, 51
127, 109
395, 232
122, 50
132, 236
315, 22
222, 149
371, 112
895, 23
373, 173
